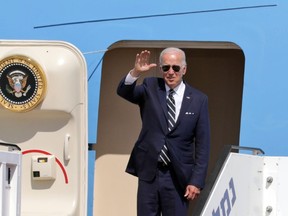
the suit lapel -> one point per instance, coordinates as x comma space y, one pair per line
162, 99
187, 99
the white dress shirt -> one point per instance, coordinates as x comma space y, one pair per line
178, 95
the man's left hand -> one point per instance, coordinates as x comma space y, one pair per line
192, 192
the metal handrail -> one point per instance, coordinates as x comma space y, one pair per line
11, 147
255, 151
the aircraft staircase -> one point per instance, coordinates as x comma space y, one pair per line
245, 185
10, 176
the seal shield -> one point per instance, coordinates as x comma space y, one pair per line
22, 83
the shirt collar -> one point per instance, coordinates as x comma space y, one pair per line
177, 89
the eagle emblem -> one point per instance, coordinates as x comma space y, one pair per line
17, 83
22, 83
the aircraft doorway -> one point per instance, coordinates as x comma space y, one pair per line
216, 68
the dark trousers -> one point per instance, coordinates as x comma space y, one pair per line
162, 196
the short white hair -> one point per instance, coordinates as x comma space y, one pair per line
173, 49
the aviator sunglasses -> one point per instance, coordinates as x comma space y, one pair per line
175, 68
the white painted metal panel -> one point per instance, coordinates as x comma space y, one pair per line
10, 187
250, 185
53, 135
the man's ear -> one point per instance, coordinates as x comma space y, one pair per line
184, 70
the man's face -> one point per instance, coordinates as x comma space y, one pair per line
172, 68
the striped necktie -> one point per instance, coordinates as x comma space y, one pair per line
164, 156
171, 110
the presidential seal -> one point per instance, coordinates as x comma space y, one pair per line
22, 83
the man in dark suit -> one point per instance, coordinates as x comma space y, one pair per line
171, 154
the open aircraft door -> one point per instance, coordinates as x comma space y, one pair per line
43, 110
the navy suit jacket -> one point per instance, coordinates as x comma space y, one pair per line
188, 142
